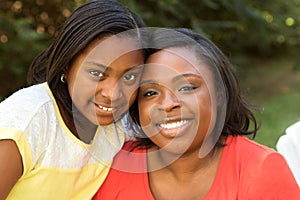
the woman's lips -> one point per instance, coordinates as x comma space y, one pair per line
105, 109
173, 128
109, 109
173, 125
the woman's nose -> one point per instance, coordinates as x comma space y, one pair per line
170, 101
110, 89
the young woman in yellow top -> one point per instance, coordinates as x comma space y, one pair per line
58, 136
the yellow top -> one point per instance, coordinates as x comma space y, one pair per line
56, 164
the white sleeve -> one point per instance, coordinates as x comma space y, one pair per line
289, 146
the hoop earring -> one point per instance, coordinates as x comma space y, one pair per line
62, 78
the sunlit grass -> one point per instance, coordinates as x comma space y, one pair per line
277, 114
273, 85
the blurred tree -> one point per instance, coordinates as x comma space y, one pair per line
19, 44
25, 29
238, 26
242, 28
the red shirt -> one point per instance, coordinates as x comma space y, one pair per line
247, 170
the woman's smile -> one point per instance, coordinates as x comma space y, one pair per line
104, 109
174, 128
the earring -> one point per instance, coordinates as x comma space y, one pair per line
62, 78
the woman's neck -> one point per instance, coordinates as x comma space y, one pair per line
177, 178
84, 129
187, 163
79, 126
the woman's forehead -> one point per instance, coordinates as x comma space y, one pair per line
175, 60
109, 49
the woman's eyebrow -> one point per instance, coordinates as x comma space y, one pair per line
98, 65
107, 68
183, 76
148, 82
138, 67
176, 78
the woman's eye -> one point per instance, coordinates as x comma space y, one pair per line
149, 93
97, 74
187, 88
129, 77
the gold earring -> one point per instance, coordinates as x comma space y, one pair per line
62, 78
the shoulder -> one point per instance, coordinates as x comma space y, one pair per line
252, 155
128, 175
130, 159
29, 117
249, 157
33, 93
27, 99
249, 149
24, 105
263, 171
273, 178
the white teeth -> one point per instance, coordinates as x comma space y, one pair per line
173, 124
104, 108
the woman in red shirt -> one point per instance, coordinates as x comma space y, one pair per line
195, 124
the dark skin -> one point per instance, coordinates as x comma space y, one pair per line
13, 168
179, 180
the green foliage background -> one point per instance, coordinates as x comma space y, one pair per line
244, 29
